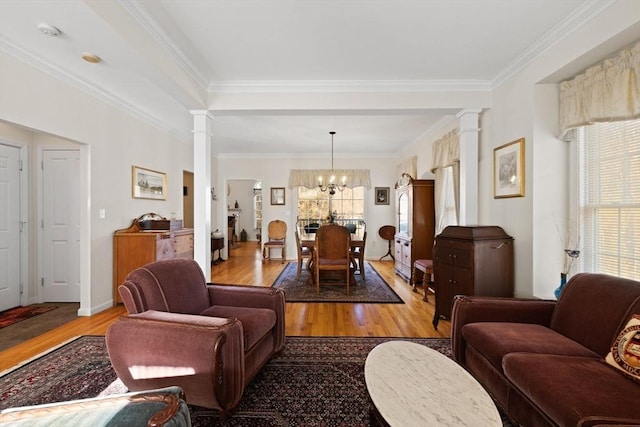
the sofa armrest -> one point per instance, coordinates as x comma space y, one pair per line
469, 309
200, 354
255, 297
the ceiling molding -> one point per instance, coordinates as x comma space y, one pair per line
299, 156
66, 76
567, 26
347, 86
148, 22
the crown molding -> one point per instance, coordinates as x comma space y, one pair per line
68, 77
300, 156
347, 86
148, 23
571, 23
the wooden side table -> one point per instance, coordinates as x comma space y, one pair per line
217, 245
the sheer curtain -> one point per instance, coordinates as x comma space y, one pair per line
446, 167
608, 91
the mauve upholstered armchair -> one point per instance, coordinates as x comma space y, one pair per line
209, 339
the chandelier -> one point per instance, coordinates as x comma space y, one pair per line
331, 185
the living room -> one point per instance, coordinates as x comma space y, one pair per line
39, 110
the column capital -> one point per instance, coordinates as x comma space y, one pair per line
468, 111
202, 113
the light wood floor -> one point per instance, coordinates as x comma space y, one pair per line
245, 266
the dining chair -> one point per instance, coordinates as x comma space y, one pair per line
303, 253
332, 252
357, 252
276, 238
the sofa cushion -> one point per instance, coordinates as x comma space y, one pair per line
569, 389
496, 339
256, 322
625, 351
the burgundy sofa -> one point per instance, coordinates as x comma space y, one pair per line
543, 361
208, 339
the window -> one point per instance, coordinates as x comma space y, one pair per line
257, 205
609, 170
314, 204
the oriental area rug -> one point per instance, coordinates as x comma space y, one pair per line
18, 314
315, 381
372, 290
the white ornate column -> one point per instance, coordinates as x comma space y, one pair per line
468, 136
202, 124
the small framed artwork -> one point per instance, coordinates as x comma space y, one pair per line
382, 195
148, 184
277, 195
508, 170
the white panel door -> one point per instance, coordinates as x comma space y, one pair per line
61, 225
9, 227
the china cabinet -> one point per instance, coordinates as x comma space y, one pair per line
415, 223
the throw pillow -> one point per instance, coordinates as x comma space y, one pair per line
625, 351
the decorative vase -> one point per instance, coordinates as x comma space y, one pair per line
563, 281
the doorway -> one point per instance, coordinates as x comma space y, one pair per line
61, 225
10, 247
187, 199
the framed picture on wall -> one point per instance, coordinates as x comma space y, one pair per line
277, 195
382, 195
508, 170
148, 184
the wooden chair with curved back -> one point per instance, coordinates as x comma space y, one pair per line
332, 252
303, 253
276, 238
357, 252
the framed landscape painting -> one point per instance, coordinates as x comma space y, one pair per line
148, 184
508, 170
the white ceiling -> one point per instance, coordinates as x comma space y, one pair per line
163, 58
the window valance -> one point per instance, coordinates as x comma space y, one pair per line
408, 166
446, 151
310, 178
609, 91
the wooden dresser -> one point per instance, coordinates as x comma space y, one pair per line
471, 261
133, 248
415, 223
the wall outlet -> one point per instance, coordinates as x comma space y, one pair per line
103, 214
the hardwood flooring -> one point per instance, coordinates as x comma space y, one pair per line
245, 267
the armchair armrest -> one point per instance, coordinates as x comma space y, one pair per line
468, 309
256, 297
608, 421
198, 353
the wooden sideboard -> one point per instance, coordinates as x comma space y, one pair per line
415, 223
133, 248
471, 261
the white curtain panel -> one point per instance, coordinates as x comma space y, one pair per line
310, 178
446, 168
608, 91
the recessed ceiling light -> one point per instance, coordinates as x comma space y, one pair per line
90, 57
49, 30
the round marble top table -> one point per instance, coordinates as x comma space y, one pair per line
413, 385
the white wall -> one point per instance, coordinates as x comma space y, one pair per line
274, 172
523, 107
112, 142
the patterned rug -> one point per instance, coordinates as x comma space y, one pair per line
313, 382
18, 314
373, 290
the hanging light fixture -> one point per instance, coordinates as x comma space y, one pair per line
331, 185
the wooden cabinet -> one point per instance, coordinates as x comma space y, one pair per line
471, 261
415, 223
133, 248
